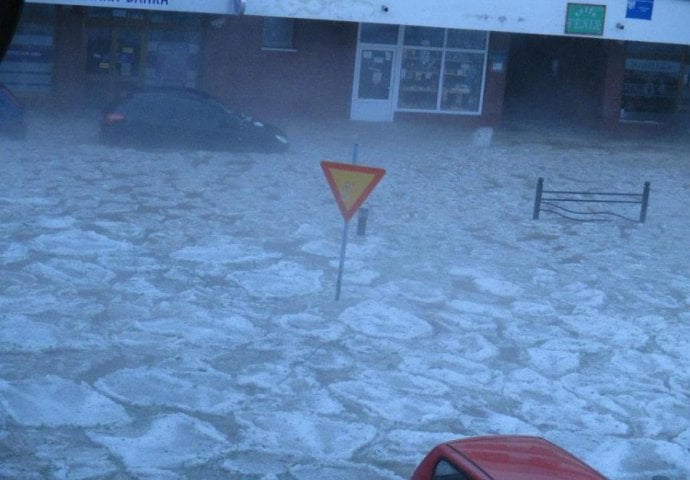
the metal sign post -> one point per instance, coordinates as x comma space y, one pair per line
343, 242
341, 265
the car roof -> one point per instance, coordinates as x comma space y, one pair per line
178, 91
140, 93
518, 457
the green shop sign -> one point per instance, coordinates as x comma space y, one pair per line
585, 19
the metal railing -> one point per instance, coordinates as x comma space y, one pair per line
552, 201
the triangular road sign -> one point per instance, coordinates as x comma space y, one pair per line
351, 184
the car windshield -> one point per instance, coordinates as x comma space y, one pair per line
436, 220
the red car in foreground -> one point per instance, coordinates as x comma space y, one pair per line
507, 457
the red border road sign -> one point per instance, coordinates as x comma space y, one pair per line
351, 184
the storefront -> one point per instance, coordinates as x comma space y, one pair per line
96, 53
364, 71
28, 68
654, 82
130, 48
418, 69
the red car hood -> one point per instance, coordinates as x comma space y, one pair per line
523, 458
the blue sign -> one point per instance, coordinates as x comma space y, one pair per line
641, 9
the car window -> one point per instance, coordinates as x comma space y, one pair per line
235, 116
182, 111
144, 106
189, 112
446, 471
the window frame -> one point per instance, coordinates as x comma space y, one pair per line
461, 475
268, 27
444, 49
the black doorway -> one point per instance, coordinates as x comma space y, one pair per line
555, 80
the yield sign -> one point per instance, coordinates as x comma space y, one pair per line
351, 184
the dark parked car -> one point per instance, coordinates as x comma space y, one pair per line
11, 115
186, 118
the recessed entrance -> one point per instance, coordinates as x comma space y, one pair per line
555, 80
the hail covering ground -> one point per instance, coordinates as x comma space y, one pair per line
170, 315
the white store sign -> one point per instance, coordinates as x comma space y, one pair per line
234, 7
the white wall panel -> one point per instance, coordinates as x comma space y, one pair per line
670, 22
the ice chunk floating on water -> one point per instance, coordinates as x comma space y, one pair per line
284, 279
53, 401
381, 320
170, 441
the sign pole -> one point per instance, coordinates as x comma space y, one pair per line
351, 184
343, 246
343, 243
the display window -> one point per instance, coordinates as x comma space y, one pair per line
114, 50
424, 37
98, 45
652, 82
467, 39
381, 34
126, 48
442, 70
419, 79
418, 69
29, 63
115, 45
462, 81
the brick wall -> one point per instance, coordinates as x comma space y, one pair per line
495, 86
313, 80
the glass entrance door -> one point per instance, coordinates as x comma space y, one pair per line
372, 99
115, 49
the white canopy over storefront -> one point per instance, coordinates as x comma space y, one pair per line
232, 7
657, 21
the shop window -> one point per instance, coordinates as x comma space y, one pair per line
442, 70
653, 76
162, 49
28, 64
128, 45
99, 12
432, 70
462, 81
185, 21
379, 34
424, 36
655, 49
467, 39
105, 13
419, 79
98, 45
113, 50
278, 33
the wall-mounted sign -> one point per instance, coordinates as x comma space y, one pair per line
498, 61
235, 7
585, 19
640, 9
